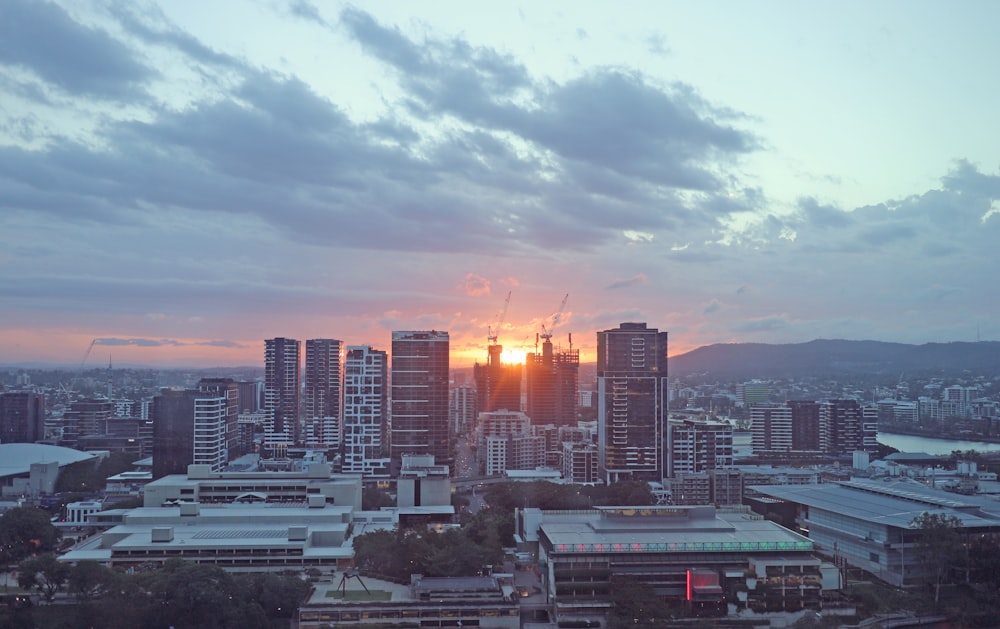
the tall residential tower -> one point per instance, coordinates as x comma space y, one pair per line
632, 402
419, 416
281, 392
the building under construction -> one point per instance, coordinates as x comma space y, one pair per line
552, 384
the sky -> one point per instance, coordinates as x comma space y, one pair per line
181, 180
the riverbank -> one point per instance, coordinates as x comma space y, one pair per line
967, 435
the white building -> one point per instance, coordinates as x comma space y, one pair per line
366, 431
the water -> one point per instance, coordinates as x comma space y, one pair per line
930, 445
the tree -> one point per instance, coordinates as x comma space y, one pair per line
89, 580
635, 605
937, 547
374, 498
44, 573
25, 531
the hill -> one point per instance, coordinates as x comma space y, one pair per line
822, 357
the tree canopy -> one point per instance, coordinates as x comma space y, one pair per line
25, 531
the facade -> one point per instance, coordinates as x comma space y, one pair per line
281, 393
694, 557
632, 402
463, 409
580, 462
234, 537
869, 524
552, 385
192, 427
830, 427
84, 418
321, 396
427, 602
771, 428
419, 396
698, 445
229, 390
366, 412
251, 394
200, 484
505, 442
22, 417
498, 386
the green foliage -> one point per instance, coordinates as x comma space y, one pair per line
44, 573
25, 531
635, 605
374, 498
455, 552
89, 580
555, 496
938, 547
88, 477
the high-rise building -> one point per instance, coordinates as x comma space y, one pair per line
632, 402
552, 385
22, 417
770, 428
85, 418
193, 427
281, 393
848, 426
366, 412
251, 396
419, 404
323, 376
806, 425
229, 390
498, 385
698, 445
321, 399
463, 408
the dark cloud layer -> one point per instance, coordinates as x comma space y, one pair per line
42, 38
610, 177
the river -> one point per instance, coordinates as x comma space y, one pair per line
930, 445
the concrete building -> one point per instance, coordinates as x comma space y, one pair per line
694, 557
463, 408
552, 384
22, 417
498, 385
282, 359
201, 484
30, 470
322, 393
194, 427
419, 396
83, 418
698, 445
632, 402
235, 537
505, 442
479, 601
580, 462
869, 524
366, 412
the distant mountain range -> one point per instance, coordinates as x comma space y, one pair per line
820, 357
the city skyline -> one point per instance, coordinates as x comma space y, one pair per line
177, 185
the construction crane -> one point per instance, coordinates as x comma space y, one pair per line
86, 355
493, 333
547, 333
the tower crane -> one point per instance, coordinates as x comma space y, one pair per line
493, 333
547, 333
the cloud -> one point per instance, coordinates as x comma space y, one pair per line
42, 38
139, 342
476, 285
635, 280
762, 324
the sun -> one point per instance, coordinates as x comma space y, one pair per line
513, 356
